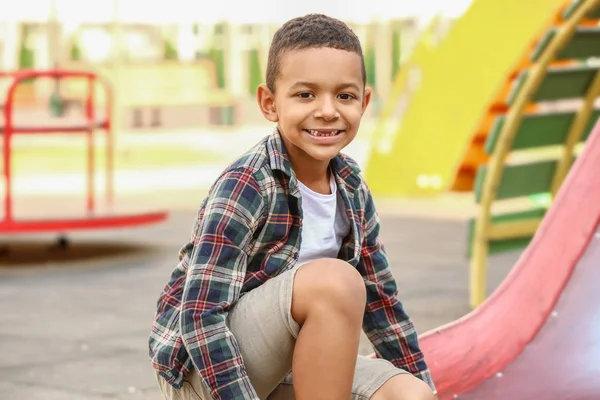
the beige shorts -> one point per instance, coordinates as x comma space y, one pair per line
262, 323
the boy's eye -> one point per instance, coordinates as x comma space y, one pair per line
346, 96
305, 95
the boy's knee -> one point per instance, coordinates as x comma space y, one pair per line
422, 392
330, 285
404, 387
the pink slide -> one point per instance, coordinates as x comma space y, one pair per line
538, 335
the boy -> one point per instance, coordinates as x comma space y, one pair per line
284, 265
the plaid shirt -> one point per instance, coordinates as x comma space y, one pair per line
248, 231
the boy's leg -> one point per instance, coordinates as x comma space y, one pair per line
328, 302
374, 379
266, 332
404, 387
313, 313
327, 297
262, 324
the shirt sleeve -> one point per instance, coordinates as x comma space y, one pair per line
386, 324
215, 276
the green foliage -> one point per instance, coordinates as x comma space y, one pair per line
75, 50
218, 58
57, 104
396, 51
219, 29
26, 55
255, 72
370, 65
170, 52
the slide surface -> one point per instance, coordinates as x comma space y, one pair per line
536, 337
443, 90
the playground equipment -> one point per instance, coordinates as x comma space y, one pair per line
536, 336
155, 94
587, 36
551, 103
14, 124
441, 92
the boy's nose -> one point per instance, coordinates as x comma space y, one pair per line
327, 110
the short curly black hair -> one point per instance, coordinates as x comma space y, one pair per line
311, 31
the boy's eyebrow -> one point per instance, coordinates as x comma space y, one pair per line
301, 84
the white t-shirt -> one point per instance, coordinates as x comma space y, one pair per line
324, 224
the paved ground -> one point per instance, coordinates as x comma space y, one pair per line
76, 326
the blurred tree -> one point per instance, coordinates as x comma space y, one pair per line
26, 55
56, 102
370, 65
170, 52
217, 54
255, 72
396, 50
75, 49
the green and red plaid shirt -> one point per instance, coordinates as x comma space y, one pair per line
248, 231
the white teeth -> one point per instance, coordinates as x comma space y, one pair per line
316, 133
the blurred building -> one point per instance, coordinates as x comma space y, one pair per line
221, 48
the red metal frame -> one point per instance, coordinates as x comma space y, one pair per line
9, 224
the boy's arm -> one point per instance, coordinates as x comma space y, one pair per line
386, 324
215, 276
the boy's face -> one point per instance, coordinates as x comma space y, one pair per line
318, 102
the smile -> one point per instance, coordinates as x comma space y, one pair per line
323, 133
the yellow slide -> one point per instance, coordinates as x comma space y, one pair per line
443, 90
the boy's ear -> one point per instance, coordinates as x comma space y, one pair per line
366, 98
266, 102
